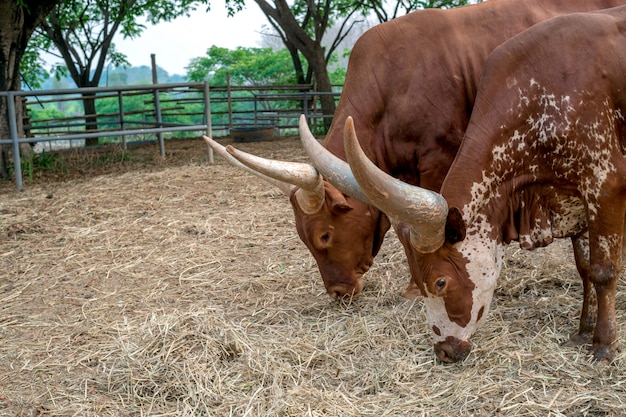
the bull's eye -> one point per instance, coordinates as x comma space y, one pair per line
325, 237
440, 284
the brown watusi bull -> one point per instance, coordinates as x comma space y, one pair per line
410, 87
543, 158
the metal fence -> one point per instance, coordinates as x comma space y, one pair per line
118, 124
277, 105
164, 109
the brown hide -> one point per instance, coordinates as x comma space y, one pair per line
410, 88
411, 82
343, 237
583, 108
539, 214
421, 265
543, 158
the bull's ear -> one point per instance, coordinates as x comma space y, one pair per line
379, 234
341, 206
455, 226
338, 202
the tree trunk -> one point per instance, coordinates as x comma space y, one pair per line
297, 64
18, 23
295, 36
94, 56
91, 118
323, 85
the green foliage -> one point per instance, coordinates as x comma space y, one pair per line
338, 74
83, 31
385, 11
440, 4
45, 113
40, 162
250, 66
246, 66
32, 66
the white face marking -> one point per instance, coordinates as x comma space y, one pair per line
437, 317
485, 263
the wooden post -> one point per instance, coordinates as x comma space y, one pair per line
157, 105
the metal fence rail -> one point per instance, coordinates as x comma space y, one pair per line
122, 130
161, 109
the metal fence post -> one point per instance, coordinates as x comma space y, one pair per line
207, 119
120, 102
305, 105
17, 163
256, 122
159, 121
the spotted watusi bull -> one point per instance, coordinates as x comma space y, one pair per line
543, 158
410, 87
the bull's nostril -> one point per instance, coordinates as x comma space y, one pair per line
443, 356
338, 292
452, 350
343, 291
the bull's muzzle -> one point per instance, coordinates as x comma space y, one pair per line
452, 350
342, 291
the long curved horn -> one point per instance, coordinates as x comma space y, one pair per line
334, 169
424, 210
311, 193
284, 186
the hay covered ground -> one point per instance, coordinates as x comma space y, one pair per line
135, 286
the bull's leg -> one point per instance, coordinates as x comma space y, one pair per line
605, 343
606, 230
588, 313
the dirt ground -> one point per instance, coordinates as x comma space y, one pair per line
135, 285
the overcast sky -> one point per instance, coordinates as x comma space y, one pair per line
176, 43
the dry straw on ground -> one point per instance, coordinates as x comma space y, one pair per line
178, 288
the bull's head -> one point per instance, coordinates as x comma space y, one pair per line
455, 275
342, 233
